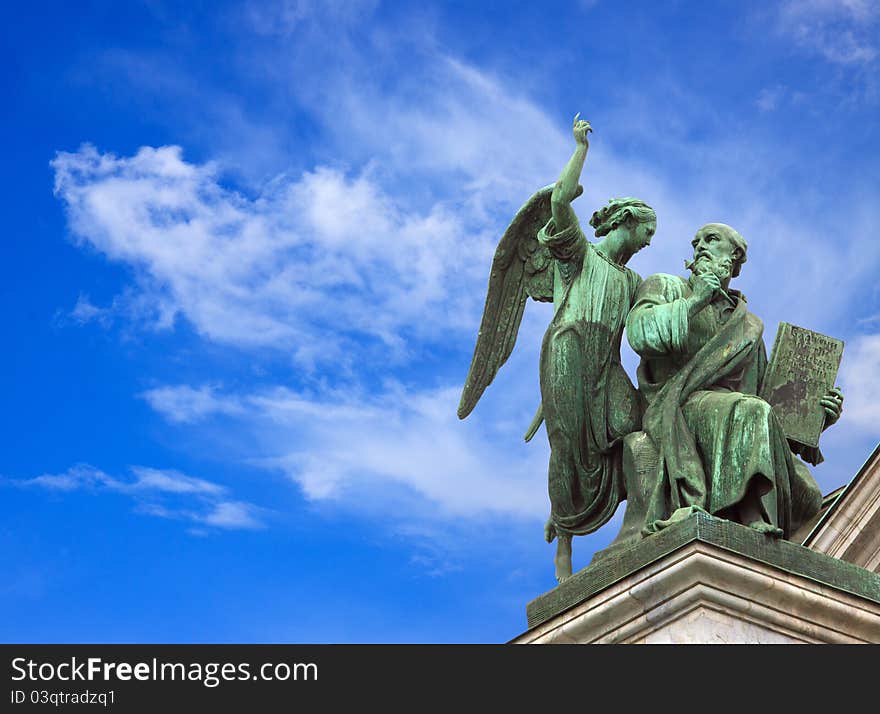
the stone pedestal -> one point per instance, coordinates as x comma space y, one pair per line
710, 581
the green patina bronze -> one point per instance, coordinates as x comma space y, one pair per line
694, 437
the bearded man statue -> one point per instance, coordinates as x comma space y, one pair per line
716, 446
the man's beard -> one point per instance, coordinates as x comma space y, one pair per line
722, 267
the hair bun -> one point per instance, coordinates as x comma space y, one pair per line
616, 212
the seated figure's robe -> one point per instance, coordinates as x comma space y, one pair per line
716, 438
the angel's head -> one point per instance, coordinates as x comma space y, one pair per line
632, 220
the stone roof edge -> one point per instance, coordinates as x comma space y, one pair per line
840, 498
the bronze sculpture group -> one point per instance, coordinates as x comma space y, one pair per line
695, 435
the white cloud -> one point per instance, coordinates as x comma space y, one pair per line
842, 31
226, 515
165, 493
858, 11
340, 448
85, 311
768, 99
232, 515
459, 125
171, 481
187, 405
76, 477
306, 262
285, 16
860, 374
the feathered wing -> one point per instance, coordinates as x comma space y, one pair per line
521, 268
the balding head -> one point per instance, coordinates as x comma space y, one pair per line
721, 246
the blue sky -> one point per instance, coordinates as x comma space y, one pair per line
244, 264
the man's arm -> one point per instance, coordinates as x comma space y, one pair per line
659, 320
705, 285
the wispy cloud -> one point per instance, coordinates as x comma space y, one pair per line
231, 514
285, 16
778, 96
861, 378
76, 477
375, 449
171, 481
301, 266
842, 31
184, 404
165, 493
85, 311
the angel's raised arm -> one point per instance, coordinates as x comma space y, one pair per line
565, 189
523, 268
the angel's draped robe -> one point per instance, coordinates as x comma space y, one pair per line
588, 401
717, 439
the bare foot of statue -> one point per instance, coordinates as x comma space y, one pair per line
764, 527
563, 557
752, 515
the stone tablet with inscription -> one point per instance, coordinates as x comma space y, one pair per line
803, 367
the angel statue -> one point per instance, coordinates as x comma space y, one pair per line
588, 402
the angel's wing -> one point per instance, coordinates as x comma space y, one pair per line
521, 268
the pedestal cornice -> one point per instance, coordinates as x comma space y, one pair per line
706, 579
